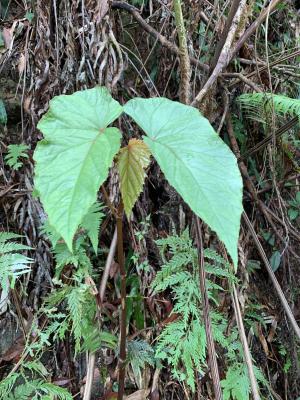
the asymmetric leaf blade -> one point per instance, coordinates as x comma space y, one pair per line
196, 162
74, 158
132, 161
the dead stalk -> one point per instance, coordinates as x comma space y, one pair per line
185, 67
121, 261
208, 329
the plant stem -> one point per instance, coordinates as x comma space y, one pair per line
185, 67
208, 329
121, 261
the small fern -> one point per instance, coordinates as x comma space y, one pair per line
23, 385
78, 257
139, 354
50, 233
259, 106
12, 263
91, 223
39, 390
182, 343
236, 385
77, 301
15, 153
7, 384
73, 308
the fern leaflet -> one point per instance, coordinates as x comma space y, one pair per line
15, 152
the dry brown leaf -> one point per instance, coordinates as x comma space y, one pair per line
138, 395
262, 339
7, 37
93, 288
103, 8
272, 331
114, 268
26, 104
22, 63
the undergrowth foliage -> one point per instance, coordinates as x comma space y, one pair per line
15, 154
261, 106
70, 309
12, 263
182, 343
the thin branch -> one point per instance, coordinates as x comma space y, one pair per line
272, 276
225, 54
247, 354
185, 67
121, 261
148, 28
208, 329
252, 28
280, 131
232, 11
89, 376
108, 263
244, 79
91, 356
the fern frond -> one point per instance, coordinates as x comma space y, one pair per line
236, 385
57, 296
78, 258
12, 264
91, 223
4, 236
183, 343
15, 152
94, 340
140, 353
76, 302
9, 247
35, 366
47, 388
7, 384
50, 233
259, 106
184, 349
25, 391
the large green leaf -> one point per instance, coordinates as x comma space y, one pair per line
74, 158
196, 162
132, 161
